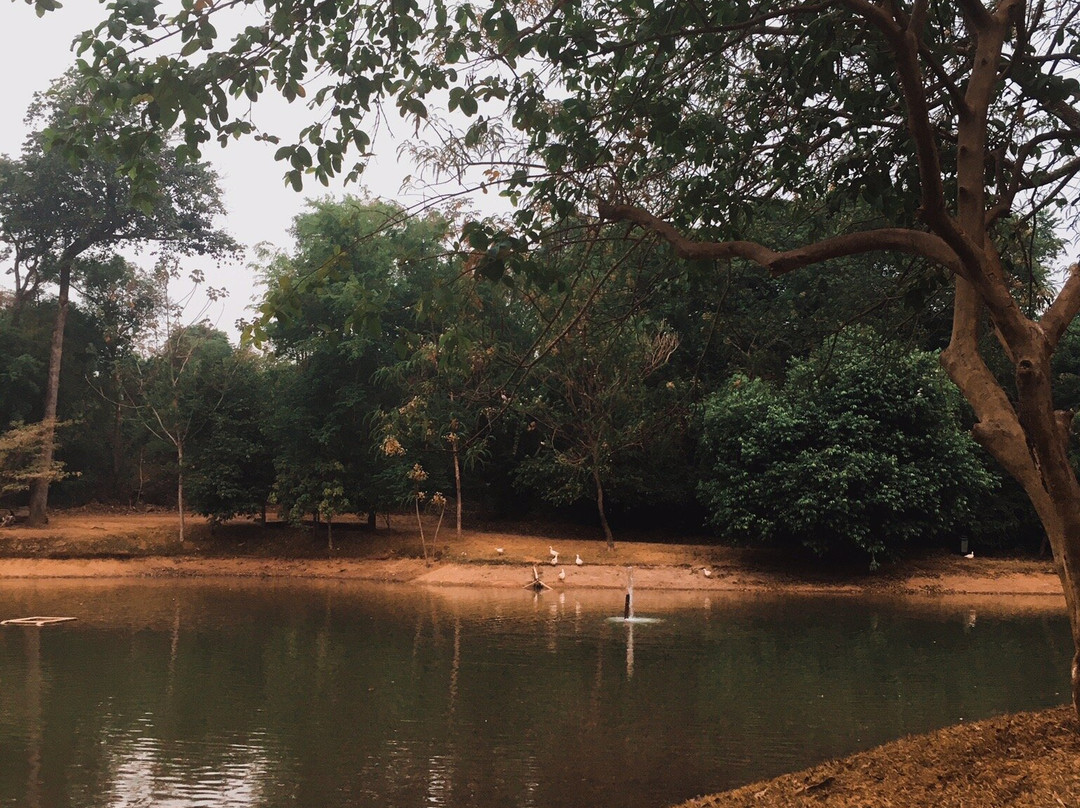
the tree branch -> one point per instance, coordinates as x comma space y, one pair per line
1065, 307
905, 47
895, 239
975, 11
917, 20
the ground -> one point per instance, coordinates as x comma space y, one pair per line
100, 542
1027, 761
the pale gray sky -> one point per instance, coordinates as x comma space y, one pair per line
33, 51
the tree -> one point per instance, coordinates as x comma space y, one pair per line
184, 378
592, 395
344, 306
452, 374
53, 213
24, 358
860, 450
945, 118
231, 458
122, 300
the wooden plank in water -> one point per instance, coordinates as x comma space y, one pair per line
36, 621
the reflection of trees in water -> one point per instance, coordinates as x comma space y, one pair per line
398, 697
33, 716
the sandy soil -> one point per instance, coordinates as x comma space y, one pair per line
97, 543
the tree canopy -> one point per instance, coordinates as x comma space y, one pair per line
925, 129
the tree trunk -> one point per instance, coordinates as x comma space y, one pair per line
457, 486
180, 485
1029, 440
39, 490
600, 508
117, 449
420, 526
142, 477
330, 532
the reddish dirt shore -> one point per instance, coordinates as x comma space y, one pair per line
102, 544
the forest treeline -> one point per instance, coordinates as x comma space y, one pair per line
398, 362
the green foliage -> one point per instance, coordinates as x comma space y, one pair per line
316, 488
721, 104
860, 450
341, 310
23, 358
54, 210
598, 400
230, 460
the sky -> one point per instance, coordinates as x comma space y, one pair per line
34, 51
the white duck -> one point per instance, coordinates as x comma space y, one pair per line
577, 560
562, 575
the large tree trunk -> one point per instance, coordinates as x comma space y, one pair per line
39, 490
1029, 440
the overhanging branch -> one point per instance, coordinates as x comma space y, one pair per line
891, 239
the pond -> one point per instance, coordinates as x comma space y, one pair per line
260, 693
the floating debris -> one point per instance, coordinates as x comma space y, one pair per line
36, 621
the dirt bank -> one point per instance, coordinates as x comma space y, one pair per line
89, 543
1029, 760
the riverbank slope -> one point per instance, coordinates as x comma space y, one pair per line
100, 543
1027, 760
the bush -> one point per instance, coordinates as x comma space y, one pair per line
860, 450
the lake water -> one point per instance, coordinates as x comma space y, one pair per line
196, 693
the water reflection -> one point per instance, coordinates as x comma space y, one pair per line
33, 717
144, 772
260, 694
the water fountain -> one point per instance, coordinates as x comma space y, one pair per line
628, 606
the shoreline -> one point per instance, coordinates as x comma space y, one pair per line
511, 575
95, 543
